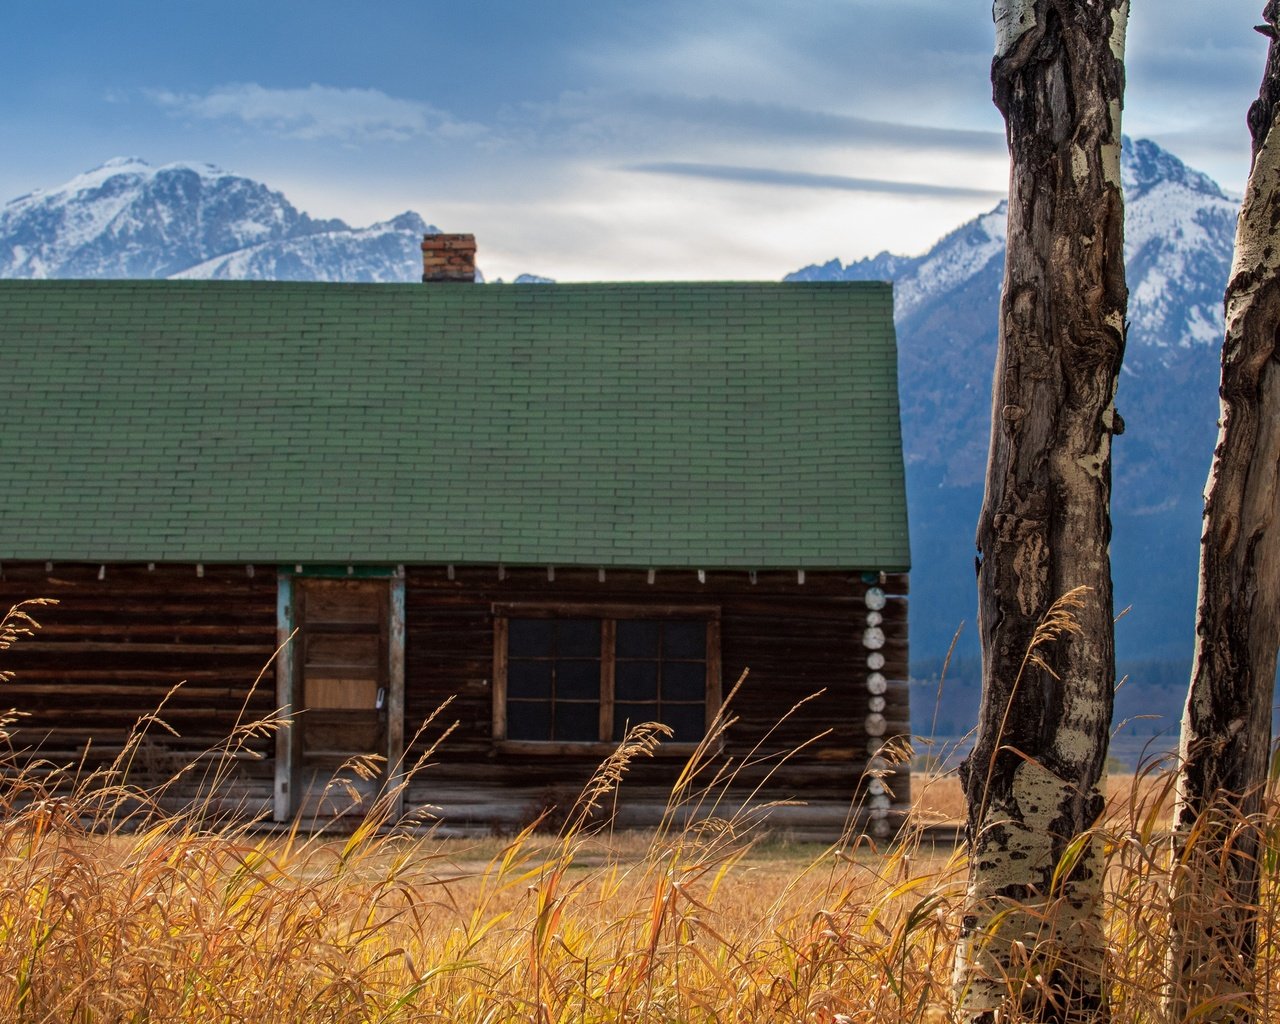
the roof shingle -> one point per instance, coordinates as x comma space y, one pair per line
698, 425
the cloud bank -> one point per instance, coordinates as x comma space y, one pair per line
804, 179
319, 112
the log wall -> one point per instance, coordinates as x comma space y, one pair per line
182, 642
122, 636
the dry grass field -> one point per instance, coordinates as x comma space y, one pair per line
111, 911
164, 918
173, 921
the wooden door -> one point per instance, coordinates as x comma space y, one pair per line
342, 688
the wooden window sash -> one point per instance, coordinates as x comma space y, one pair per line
558, 610
608, 674
500, 631
609, 616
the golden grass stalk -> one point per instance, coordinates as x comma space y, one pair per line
113, 910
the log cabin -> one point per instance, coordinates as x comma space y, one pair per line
557, 510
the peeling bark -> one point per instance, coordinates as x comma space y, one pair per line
1226, 727
1032, 926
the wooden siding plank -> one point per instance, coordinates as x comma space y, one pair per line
283, 791
395, 695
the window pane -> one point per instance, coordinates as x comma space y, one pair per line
530, 679
529, 638
578, 638
555, 673
578, 680
578, 722
684, 680
627, 716
638, 638
687, 720
636, 680
682, 639
528, 720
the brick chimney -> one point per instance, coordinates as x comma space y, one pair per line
449, 258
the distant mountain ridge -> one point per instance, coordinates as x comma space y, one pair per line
1179, 229
1179, 236
128, 219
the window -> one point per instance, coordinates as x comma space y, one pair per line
582, 675
553, 679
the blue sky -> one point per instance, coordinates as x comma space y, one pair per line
606, 140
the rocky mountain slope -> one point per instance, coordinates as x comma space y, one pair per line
1180, 228
129, 219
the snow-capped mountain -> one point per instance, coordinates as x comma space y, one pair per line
1179, 232
1180, 228
917, 279
130, 219
387, 251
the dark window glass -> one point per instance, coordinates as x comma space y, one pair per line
688, 721
684, 680
529, 679
528, 720
577, 680
578, 638
529, 638
626, 716
682, 639
636, 680
577, 722
555, 670
638, 638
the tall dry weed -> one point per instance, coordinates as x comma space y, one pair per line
114, 910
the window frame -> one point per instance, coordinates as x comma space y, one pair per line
609, 615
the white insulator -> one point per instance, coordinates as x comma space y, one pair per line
876, 725
873, 638
875, 661
874, 746
880, 802
880, 828
878, 813
877, 684
876, 787
874, 618
875, 763
875, 598
876, 704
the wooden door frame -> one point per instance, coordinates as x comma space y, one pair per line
285, 790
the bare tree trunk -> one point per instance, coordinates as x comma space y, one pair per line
1226, 729
1032, 934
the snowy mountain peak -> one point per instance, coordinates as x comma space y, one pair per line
1179, 232
128, 218
408, 221
122, 172
1144, 165
122, 161
137, 165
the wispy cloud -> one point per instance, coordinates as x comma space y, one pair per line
318, 112
803, 179
597, 118
774, 120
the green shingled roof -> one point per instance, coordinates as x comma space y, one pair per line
667, 425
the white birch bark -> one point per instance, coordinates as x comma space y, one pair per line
1226, 727
1032, 933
